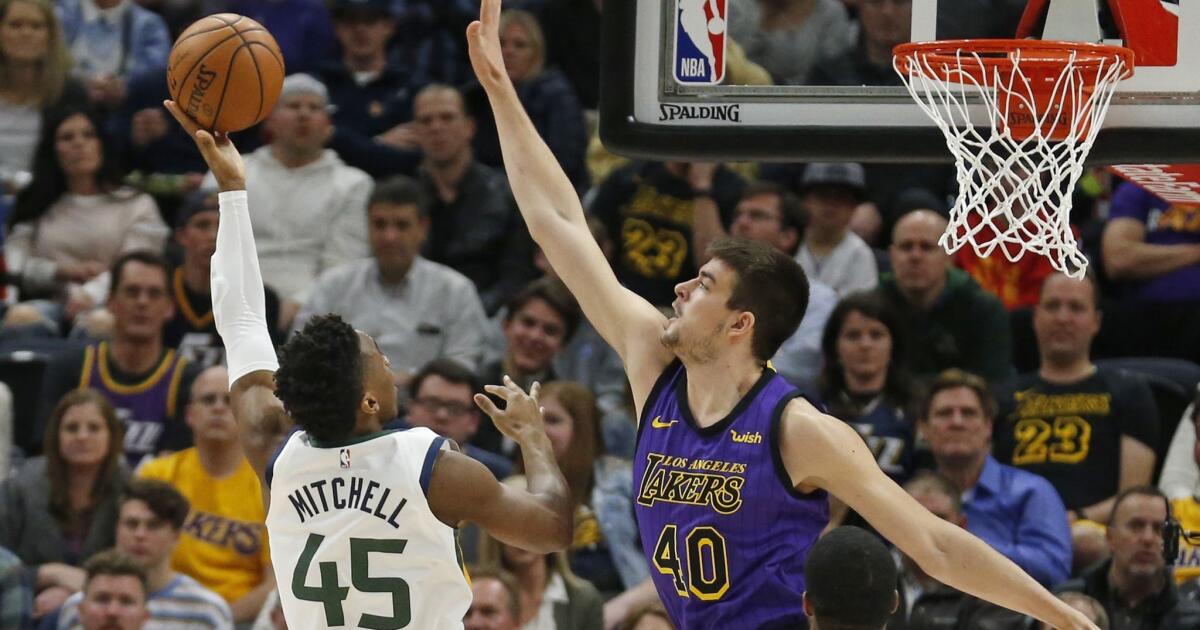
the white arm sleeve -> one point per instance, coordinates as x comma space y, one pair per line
239, 305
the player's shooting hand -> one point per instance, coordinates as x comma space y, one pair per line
483, 40
521, 418
218, 151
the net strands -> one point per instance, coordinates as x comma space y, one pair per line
1016, 173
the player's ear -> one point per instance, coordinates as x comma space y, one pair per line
369, 404
808, 609
743, 323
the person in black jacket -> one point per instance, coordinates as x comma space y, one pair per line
1135, 585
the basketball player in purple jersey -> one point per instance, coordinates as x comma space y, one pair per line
731, 465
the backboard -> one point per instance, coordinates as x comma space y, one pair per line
675, 84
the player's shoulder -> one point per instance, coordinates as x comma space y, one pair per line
803, 420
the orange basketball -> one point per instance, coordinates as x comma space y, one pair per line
225, 71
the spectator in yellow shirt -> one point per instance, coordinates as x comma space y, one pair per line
224, 540
1186, 510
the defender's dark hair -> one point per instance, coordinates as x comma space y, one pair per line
114, 563
161, 497
897, 389
400, 190
319, 380
448, 370
770, 284
554, 294
144, 256
851, 580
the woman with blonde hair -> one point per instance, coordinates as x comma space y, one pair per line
549, 595
60, 508
34, 77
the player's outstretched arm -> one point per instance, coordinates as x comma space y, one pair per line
539, 519
551, 209
239, 303
822, 452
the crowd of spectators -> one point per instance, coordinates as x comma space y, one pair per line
1041, 413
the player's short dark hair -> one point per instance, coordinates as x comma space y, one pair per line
143, 256
1141, 491
955, 378
448, 370
770, 284
554, 294
851, 580
400, 190
114, 563
790, 207
319, 380
162, 498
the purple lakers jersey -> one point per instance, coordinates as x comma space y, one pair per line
725, 532
145, 408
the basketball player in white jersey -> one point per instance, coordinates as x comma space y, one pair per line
361, 522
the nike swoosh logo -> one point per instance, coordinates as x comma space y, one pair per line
657, 423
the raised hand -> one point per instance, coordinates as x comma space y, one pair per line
219, 153
521, 418
483, 40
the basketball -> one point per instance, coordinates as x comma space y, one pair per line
225, 71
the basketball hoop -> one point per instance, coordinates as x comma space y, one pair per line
1044, 103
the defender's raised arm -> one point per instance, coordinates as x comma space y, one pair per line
552, 210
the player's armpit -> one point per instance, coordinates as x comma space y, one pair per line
261, 418
820, 451
462, 489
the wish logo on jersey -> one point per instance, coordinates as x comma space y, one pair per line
700, 41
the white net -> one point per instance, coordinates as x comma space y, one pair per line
1018, 168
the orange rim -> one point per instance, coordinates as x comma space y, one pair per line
1036, 54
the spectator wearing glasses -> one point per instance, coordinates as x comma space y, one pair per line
223, 543
442, 402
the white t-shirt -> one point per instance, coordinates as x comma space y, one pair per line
849, 267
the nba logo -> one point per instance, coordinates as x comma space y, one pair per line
700, 41
344, 458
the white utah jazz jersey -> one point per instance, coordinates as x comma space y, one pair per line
353, 541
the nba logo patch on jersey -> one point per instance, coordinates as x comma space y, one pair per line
700, 41
344, 458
